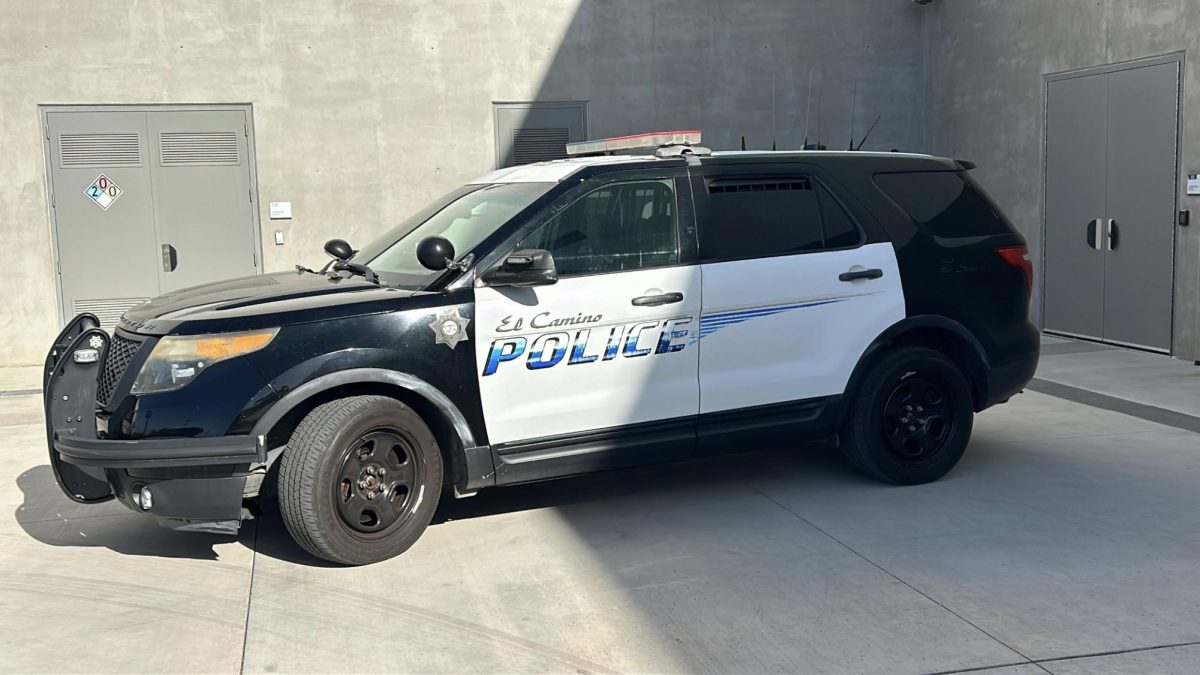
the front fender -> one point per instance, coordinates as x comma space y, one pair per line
352, 376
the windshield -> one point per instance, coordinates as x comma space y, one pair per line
466, 217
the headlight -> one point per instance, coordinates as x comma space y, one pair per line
178, 359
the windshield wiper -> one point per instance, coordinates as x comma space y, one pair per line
356, 268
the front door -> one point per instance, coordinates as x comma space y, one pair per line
609, 346
147, 201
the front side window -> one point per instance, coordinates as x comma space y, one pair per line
614, 228
758, 218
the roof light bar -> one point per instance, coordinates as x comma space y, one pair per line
653, 139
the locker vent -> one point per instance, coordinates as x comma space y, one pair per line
108, 310
538, 145
99, 150
198, 148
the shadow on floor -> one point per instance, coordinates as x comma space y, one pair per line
49, 517
691, 479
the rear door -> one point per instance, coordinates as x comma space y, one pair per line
609, 346
793, 291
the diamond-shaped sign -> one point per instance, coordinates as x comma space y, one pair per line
103, 191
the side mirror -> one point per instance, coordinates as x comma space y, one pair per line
526, 267
435, 253
338, 248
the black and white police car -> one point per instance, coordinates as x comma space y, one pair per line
554, 319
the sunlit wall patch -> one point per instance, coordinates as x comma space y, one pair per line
711, 323
590, 345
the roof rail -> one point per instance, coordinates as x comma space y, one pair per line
666, 143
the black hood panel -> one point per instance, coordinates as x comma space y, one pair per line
261, 301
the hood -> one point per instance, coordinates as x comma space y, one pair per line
261, 301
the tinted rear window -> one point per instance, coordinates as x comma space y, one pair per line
942, 201
763, 217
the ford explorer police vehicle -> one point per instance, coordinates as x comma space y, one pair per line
554, 319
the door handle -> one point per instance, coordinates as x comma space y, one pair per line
656, 300
1093, 230
855, 275
170, 259
1112, 234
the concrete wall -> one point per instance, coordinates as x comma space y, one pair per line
984, 62
365, 110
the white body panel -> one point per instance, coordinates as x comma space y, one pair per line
786, 328
611, 363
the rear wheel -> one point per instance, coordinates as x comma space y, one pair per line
360, 480
911, 418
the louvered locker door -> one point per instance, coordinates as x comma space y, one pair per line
106, 246
203, 207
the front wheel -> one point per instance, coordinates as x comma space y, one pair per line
360, 480
911, 419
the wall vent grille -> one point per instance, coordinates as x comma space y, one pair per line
539, 145
198, 148
103, 150
108, 310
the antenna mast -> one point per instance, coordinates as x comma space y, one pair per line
807, 110
853, 102
772, 111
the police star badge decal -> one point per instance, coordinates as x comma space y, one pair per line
449, 327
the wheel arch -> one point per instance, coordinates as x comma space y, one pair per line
939, 333
445, 420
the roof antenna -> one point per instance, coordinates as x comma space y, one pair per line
868, 134
853, 102
772, 112
807, 111
743, 143
819, 88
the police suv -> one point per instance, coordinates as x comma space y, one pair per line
554, 319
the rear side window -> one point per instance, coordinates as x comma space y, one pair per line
943, 202
770, 217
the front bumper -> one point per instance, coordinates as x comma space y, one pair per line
187, 479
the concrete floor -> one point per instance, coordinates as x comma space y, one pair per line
1067, 541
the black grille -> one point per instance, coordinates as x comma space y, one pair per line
120, 353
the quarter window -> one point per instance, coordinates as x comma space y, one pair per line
945, 202
771, 217
617, 227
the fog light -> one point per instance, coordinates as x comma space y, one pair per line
86, 355
145, 499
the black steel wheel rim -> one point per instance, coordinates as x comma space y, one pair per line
379, 481
918, 419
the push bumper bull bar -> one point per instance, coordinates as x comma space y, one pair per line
190, 480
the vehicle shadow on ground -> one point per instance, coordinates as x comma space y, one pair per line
694, 477
47, 516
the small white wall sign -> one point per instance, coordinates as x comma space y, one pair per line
281, 210
1193, 184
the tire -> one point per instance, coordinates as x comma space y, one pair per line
360, 480
910, 420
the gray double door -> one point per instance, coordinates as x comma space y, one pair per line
1110, 204
147, 202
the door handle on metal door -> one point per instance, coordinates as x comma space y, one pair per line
656, 300
1112, 234
1093, 231
854, 275
170, 259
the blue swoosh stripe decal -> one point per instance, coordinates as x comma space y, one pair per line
711, 323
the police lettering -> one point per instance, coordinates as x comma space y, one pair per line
590, 345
